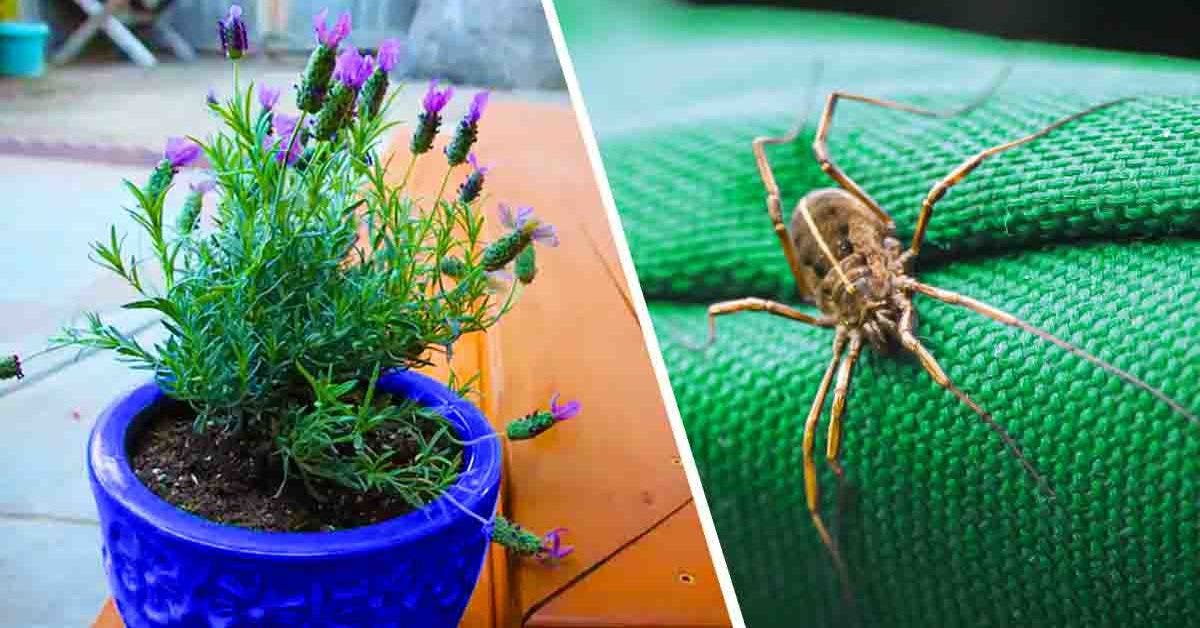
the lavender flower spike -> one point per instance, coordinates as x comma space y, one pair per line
552, 547
436, 100
268, 97
189, 216
352, 69
314, 83
536, 423
524, 221
467, 131
203, 186
389, 54
331, 37
430, 119
515, 538
374, 91
350, 73
286, 149
470, 189
232, 31
10, 367
525, 265
526, 229
478, 104
180, 152
565, 411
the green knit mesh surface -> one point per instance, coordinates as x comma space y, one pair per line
1090, 233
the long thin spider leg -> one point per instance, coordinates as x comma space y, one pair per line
833, 445
755, 304
812, 489
1001, 316
931, 366
821, 143
774, 204
958, 174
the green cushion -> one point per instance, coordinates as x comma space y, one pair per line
1089, 232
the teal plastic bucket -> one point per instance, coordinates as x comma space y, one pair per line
23, 48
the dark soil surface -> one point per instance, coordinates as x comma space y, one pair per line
231, 478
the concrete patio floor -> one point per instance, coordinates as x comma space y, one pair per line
53, 202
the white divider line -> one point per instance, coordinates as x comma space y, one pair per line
639, 304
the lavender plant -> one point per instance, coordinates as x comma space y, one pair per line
315, 274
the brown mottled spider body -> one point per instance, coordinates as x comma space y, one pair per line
842, 249
867, 254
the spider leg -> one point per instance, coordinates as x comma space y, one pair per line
958, 174
833, 444
1001, 316
821, 143
774, 207
812, 489
755, 304
910, 342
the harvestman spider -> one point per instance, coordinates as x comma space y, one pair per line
842, 250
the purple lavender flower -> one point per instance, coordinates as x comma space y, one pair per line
352, 69
436, 100
314, 83
180, 152
526, 229
540, 421
331, 37
430, 119
232, 31
389, 54
498, 280
467, 131
210, 98
482, 170
524, 221
478, 104
565, 411
268, 96
470, 188
281, 141
552, 547
203, 186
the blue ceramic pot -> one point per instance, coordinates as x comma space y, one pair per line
167, 567
23, 48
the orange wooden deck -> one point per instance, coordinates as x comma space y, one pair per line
610, 475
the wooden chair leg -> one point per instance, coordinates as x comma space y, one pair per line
102, 17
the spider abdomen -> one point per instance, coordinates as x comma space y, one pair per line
864, 294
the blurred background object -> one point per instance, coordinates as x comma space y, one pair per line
1170, 28
501, 43
22, 47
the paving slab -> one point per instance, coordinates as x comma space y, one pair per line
50, 573
47, 424
53, 211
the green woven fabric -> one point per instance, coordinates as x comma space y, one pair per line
1090, 233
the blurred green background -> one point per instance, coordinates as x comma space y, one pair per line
1090, 232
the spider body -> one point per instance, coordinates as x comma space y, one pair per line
867, 252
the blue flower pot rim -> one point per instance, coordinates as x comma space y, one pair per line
24, 29
109, 466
